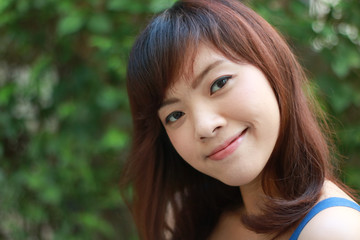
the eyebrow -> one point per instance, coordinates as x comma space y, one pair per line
196, 81
204, 72
169, 101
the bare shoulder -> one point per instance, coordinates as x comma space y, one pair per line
335, 223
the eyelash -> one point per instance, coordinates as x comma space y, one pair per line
223, 80
177, 114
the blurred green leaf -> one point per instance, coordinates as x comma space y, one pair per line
70, 24
115, 5
91, 221
66, 109
159, 5
342, 98
22, 5
109, 98
7, 18
6, 92
99, 23
104, 43
4, 4
114, 139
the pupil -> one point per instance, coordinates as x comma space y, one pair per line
221, 83
177, 115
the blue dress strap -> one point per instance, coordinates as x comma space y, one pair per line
322, 205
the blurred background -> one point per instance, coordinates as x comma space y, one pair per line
64, 117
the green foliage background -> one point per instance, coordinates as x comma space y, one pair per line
64, 116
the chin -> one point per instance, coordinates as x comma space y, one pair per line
238, 181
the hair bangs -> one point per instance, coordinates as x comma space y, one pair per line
163, 52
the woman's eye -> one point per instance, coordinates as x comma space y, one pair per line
219, 83
173, 117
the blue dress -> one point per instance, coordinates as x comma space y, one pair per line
322, 205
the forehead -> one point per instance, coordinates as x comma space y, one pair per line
197, 63
203, 56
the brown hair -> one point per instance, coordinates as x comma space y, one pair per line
162, 182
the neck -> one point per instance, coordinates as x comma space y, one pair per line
253, 196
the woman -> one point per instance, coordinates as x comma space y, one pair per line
226, 145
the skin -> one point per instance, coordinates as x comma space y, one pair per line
335, 223
205, 113
224, 121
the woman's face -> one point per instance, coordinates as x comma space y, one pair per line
224, 121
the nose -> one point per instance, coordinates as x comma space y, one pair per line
207, 123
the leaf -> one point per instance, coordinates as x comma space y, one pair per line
342, 98
35, 212
66, 109
6, 18
114, 139
353, 176
340, 67
4, 4
116, 5
6, 93
159, 5
23, 5
99, 23
347, 58
51, 194
109, 98
39, 68
70, 24
127, 5
104, 43
92, 221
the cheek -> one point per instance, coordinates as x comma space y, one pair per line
257, 100
182, 143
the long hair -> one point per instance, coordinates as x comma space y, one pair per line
170, 199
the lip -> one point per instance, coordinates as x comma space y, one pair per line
227, 148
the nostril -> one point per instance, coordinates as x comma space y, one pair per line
216, 129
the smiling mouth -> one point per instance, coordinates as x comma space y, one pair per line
227, 148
